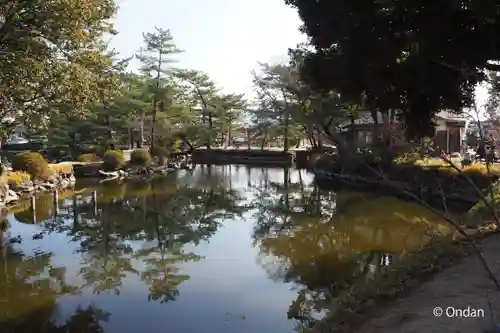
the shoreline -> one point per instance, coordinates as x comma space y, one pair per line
462, 284
367, 307
392, 187
396, 299
370, 303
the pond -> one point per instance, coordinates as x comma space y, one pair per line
222, 249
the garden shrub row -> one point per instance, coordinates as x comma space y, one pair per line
28, 166
33, 165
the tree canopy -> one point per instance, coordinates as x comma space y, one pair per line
418, 57
52, 53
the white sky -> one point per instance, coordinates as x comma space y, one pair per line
224, 38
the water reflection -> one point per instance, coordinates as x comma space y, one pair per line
88, 320
323, 242
121, 256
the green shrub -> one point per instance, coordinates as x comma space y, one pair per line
33, 163
140, 157
160, 152
88, 157
113, 160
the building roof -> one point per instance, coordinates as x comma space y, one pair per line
450, 115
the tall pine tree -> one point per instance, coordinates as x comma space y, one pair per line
155, 57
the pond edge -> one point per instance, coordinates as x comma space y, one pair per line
357, 304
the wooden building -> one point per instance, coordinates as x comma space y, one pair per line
449, 134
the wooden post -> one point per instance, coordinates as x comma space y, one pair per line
75, 209
94, 202
33, 209
447, 139
56, 202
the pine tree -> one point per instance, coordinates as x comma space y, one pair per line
155, 56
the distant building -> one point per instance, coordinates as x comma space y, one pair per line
450, 132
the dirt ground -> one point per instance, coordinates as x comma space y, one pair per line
462, 286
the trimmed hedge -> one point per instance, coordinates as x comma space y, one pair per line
140, 157
113, 160
33, 163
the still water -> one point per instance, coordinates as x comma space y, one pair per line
224, 249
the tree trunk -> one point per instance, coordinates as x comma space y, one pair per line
386, 133
312, 141
249, 144
186, 141
376, 130
319, 140
109, 132
263, 143
155, 101
130, 139
210, 126
152, 143
74, 145
141, 139
287, 123
228, 138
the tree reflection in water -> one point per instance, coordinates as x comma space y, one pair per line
84, 320
29, 286
321, 242
324, 242
136, 221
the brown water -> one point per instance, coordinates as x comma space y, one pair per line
225, 249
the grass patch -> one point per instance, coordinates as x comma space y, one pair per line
478, 168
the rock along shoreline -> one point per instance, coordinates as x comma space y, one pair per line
11, 194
